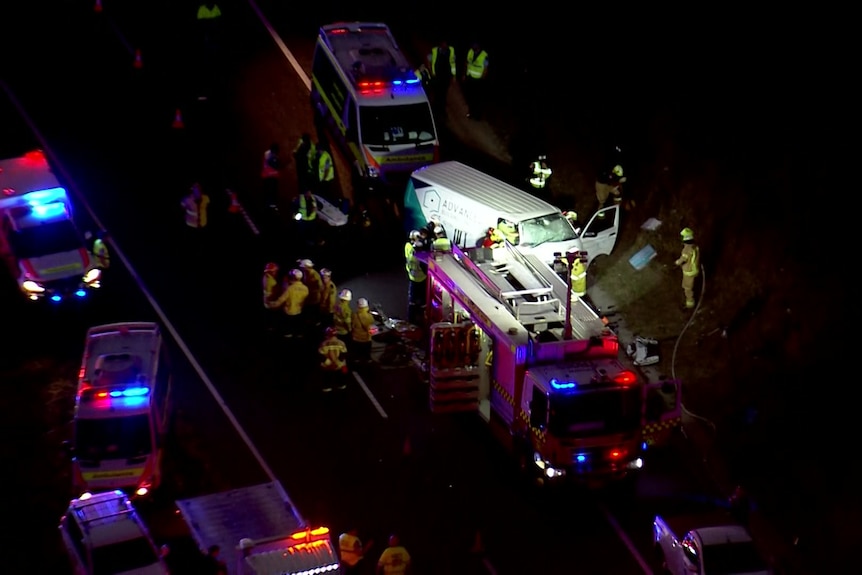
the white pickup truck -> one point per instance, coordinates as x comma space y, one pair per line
706, 545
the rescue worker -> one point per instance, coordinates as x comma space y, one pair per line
342, 317
689, 261
610, 183
270, 173
333, 366
539, 172
579, 278
291, 301
493, 239
328, 298
196, 204
352, 551
423, 243
209, 23
443, 70
509, 231
271, 293
306, 216
395, 560
325, 172
361, 331
312, 280
475, 78
303, 158
441, 243
99, 249
417, 278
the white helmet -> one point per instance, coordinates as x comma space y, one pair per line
306, 263
297, 274
414, 235
346, 295
362, 302
246, 543
325, 273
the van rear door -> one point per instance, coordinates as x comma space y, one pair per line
600, 234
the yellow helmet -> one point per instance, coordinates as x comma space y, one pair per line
618, 171
687, 234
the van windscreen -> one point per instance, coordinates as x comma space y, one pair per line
544, 229
396, 125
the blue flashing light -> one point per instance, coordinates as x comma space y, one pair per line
42, 197
55, 297
563, 384
48, 211
130, 392
81, 293
412, 80
581, 458
644, 446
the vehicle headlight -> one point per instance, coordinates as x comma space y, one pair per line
31, 286
92, 275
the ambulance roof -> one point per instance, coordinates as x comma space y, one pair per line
373, 63
120, 353
27, 173
483, 189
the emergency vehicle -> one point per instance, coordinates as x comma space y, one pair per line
547, 375
366, 94
39, 242
121, 409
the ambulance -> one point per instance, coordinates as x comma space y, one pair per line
121, 409
365, 93
40, 244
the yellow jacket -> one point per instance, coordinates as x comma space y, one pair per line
328, 297
332, 349
362, 322
314, 283
342, 317
292, 298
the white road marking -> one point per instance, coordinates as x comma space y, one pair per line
155, 305
281, 46
644, 565
370, 395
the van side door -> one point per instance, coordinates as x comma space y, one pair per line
600, 234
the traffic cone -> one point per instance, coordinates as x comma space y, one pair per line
138, 62
478, 546
178, 120
98, 7
234, 207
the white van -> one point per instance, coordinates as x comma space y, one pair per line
468, 202
368, 97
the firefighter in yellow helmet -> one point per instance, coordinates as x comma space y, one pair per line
328, 298
332, 365
362, 328
342, 317
689, 261
579, 278
291, 301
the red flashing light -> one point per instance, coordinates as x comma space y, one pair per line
81, 372
339, 31
617, 453
371, 86
626, 378
35, 156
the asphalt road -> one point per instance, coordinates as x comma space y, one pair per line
372, 456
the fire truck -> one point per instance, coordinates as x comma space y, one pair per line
509, 341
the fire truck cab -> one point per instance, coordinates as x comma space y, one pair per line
556, 389
121, 409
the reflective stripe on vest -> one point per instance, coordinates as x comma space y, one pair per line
692, 267
307, 215
476, 65
325, 169
434, 52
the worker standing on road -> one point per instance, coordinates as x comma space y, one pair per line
362, 328
270, 172
579, 278
325, 172
271, 293
342, 318
689, 261
303, 157
395, 560
306, 217
352, 551
475, 81
209, 22
328, 298
196, 204
99, 249
291, 301
332, 365
442, 69
610, 183
312, 280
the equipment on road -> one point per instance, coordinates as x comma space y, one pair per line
567, 406
121, 409
260, 532
40, 242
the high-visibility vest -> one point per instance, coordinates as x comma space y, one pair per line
442, 245
342, 318
205, 13
350, 548
689, 259
307, 210
476, 64
332, 350
434, 53
412, 264
541, 173
100, 250
325, 168
196, 210
579, 278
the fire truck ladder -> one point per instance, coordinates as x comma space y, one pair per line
514, 282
